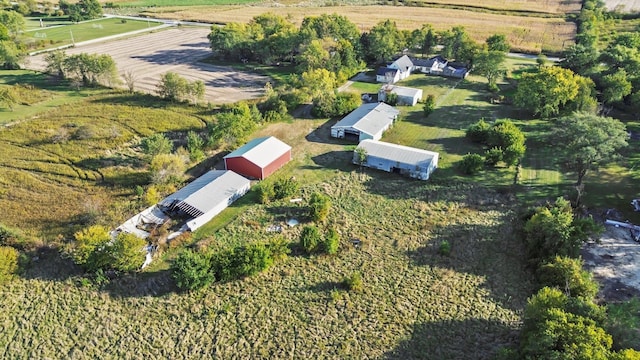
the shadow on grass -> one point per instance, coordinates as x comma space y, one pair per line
143, 284
337, 160
455, 340
326, 286
47, 264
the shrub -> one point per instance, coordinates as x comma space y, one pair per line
156, 144
284, 188
567, 275
354, 282
429, 105
242, 261
253, 258
167, 169
331, 242
266, 192
191, 270
392, 99
8, 263
279, 247
87, 243
445, 248
493, 156
194, 146
310, 238
128, 252
471, 164
479, 132
319, 206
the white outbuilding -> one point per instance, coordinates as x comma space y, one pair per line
412, 162
206, 196
369, 121
406, 95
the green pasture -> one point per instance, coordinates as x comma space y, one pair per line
33, 23
84, 31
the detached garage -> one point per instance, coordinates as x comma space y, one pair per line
258, 158
206, 196
368, 121
412, 162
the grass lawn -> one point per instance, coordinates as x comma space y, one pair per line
33, 23
89, 30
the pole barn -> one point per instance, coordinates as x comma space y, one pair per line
259, 158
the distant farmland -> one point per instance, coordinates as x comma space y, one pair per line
526, 33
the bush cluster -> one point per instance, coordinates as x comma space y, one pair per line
313, 241
280, 189
193, 270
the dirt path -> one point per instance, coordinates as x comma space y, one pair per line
177, 50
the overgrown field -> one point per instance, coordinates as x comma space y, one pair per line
76, 159
525, 33
415, 302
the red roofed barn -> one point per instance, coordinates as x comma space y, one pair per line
258, 158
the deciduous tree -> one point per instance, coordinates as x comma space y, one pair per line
588, 141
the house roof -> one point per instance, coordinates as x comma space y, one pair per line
384, 71
398, 153
402, 91
261, 151
369, 118
403, 63
206, 192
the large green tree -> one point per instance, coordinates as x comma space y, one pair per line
384, 41
490, 64
588, 141
547, 91
553, 230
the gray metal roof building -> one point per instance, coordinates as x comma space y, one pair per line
413, 162
368, 121
207, 196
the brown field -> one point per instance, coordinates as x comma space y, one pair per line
623, 5
530, 34
543, 6
149, 56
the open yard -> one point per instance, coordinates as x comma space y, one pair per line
176, 50
526, 33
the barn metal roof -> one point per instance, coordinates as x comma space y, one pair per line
402, 91
206, 192
261, 151
369, 118
399, 153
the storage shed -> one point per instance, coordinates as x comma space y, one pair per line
206, 196
412, 162
406, 95
258, 158
368, 121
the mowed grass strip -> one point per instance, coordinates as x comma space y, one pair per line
84, 31
529, 34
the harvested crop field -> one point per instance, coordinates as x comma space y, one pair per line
176, 50
525, 33
623, 5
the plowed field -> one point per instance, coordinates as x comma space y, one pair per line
177, 50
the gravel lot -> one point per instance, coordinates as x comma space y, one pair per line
177, 50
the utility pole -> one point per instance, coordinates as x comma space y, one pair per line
72, 41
